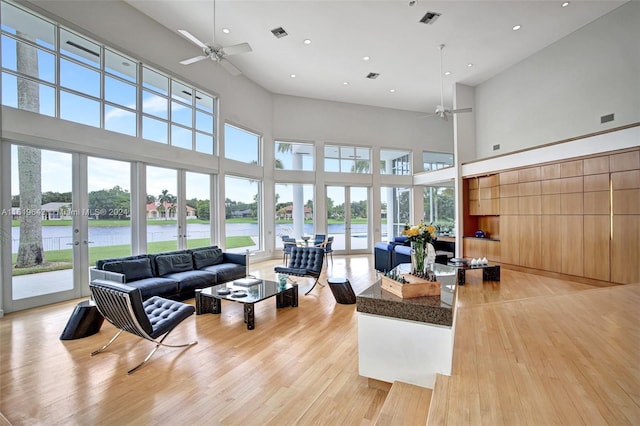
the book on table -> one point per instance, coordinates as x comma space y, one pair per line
246, 282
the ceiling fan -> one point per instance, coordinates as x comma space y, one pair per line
214, 51
442, 111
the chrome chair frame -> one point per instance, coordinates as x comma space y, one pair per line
115, 302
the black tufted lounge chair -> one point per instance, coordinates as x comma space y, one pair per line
123, 307
304, 262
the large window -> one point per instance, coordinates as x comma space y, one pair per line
294, 156
242, 214
436, 160
395, 210
439, 208
97, 86
347, 159
394, 162
294, 211
241, 145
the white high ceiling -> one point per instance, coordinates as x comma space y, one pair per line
403, 50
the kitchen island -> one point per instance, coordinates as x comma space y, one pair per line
408, 340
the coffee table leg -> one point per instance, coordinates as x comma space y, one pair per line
249, 316
216, 305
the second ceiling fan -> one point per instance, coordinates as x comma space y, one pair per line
442, 111
214, 51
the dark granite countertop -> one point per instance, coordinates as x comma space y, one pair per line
436, 310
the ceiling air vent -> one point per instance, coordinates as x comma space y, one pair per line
373, 75
279, 32
430, 17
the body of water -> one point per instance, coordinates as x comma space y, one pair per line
61, 237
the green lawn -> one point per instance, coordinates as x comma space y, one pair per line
61, 259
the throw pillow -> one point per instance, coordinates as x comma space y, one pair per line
204, 258
133, 270
168, 264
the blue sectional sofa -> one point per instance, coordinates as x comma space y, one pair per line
173, 275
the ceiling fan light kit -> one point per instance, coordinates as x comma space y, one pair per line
441, 111
215, 52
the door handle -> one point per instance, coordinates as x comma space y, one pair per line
75, 243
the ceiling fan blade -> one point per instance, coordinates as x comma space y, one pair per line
193, 39
455, 111
193, 60
232, 69
237, 49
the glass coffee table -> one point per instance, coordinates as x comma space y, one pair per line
489, 272
209, 299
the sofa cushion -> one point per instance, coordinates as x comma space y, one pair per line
190, 280
156, 286
100, 263
226, 272
209, 257
134, 269
167, 264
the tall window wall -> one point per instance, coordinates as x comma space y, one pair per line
97, 86
294, 211
243, 216
439, 208
395, 210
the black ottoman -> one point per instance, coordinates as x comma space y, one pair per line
84, 321
342, 291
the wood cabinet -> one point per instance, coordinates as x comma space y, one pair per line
482, 247
484, 195
577, 217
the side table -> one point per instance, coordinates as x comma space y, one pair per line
84, 321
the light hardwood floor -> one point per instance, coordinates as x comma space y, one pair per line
529, 350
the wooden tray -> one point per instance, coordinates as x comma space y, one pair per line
416, 287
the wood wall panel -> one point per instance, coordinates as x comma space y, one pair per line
529, 188
572, 184
572, 203
493, 249
510, 190
596, 165
509, 205
597, 203
529, 174
529, 205
551, 243
596, 247
572, 244
626, 201
626, 180
529, 241
550, 204
550, 171
625, 249
599, 182
624, 161
571, 168
509, 240
507, 178
552, 186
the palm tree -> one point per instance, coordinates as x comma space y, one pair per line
166, 199
30, 250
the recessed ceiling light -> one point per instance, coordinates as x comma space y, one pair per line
516, 27
469, 64
292, 76
392, 90
366, 58
226, 30
447, 73
565, 4
307, 41
346, 83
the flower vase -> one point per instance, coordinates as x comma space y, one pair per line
417, 257
431, 254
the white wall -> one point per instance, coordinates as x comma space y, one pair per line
561, 91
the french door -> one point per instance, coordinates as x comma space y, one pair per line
348, 218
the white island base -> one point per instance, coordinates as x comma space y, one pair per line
392, 349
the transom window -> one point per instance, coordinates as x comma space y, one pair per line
347, 159
294, 156
97, 86
395, 162
436, 160
241, 145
